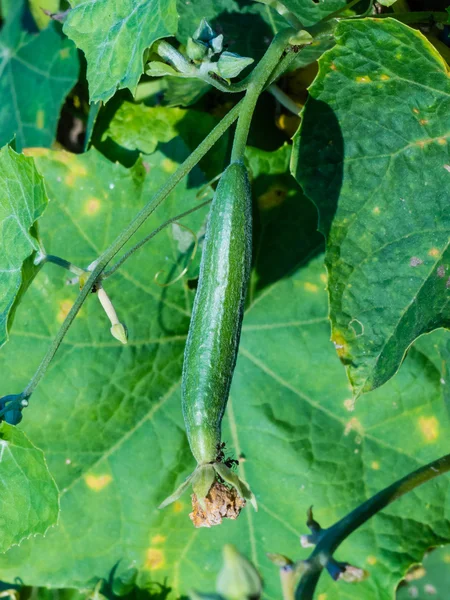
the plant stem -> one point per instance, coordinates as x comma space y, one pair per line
151, 235
258, 79
330, 539
65, 264
284, 99
126, 234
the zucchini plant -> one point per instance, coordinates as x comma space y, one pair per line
224, 279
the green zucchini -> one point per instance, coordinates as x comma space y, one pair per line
215, 329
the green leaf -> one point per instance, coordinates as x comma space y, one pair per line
143, 128
377, 171
44, 63
429, 580
114, 38
118, 447
387, 2
22, 202
310, 12
29, 501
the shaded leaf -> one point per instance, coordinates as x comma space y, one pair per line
378, 171
29, 501
22, 202
44, 63
113, 39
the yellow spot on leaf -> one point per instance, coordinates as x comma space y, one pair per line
372, 560
154, 559
169, 166
311, 287
364, 79
324, 277
433, 252
442, 141
339, 343
376, 210
430, 428
416, 111
64, 307
177, 506
92, 206
273, 197
399, 56
35, 151
375, 465
97, 482
384, 77
354, 425
64, 53
40, 119
447, 559
333, 67
322, 597
423, 121
158, 539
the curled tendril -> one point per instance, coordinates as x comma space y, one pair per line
186, 268
206, 190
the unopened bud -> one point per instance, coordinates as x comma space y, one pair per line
119, 332
238, 579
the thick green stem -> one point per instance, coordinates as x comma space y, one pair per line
126, 234
258, 79
330, 539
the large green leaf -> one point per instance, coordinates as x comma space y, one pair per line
113, 38
109, 417
378, 171
36, 74
29, 501
22, 202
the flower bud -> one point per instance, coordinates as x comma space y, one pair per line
238, 579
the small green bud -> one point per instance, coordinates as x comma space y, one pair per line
119, 332
279, 560
238, 579
217, 44
301, 38
196, 49
204, 33
230, 65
